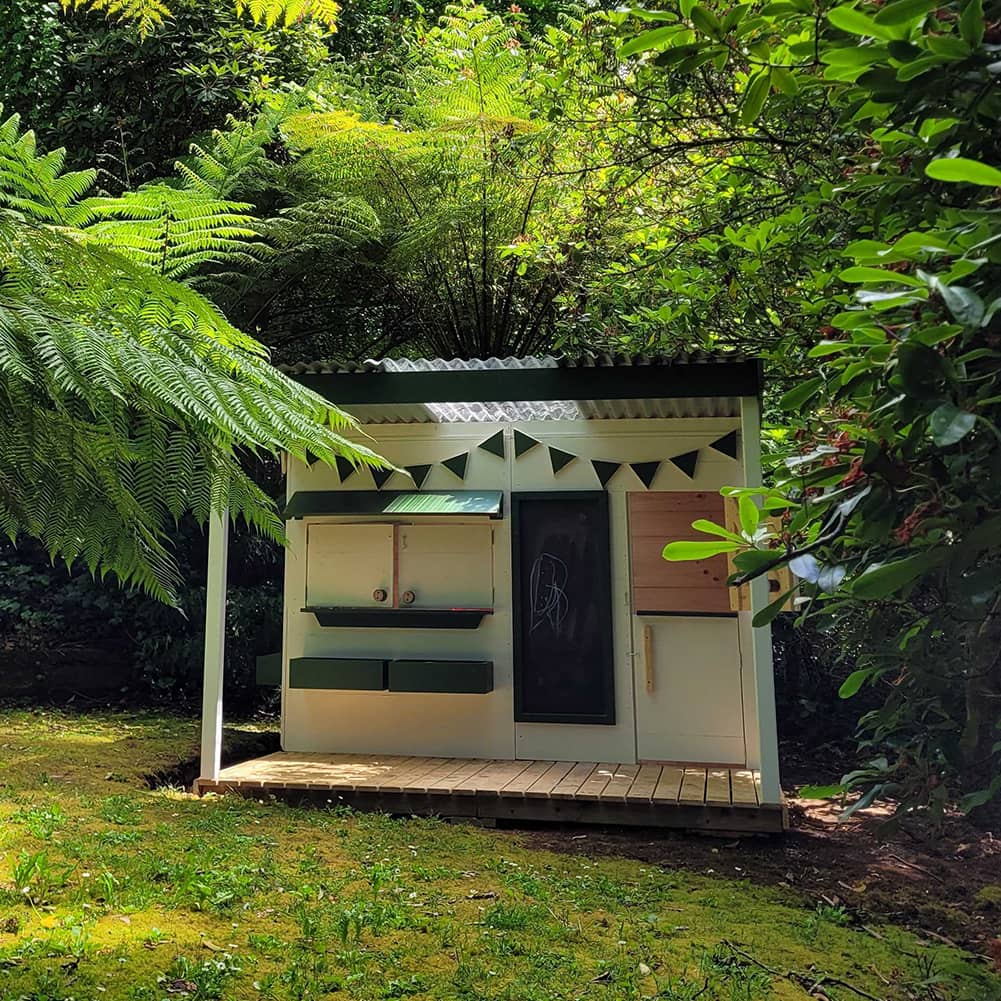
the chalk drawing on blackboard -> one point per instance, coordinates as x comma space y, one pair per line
549, 597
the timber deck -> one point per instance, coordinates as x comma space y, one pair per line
655, 795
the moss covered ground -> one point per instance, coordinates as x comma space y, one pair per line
112, 890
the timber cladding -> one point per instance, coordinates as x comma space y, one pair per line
696, 588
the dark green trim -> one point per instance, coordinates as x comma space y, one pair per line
337, 672
398, 618
523, 443
688, 615
646, 471
453, 676
494, 445
269, 669
395, 502
603, 583
727, 445
559, 459
457, 464
687, 462
630, 382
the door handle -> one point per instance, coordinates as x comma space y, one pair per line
648, 662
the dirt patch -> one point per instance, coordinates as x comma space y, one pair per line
943, 884
237, 745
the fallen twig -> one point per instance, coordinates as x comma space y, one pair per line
813, 984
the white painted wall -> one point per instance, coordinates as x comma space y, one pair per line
702, 715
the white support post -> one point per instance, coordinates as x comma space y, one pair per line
215, 640
761, 638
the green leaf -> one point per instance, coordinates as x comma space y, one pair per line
769, 612
971, 22
785, 81
755, 97
750, 515
680, 552
653, 40
706, 22
901, 11
862, 274
853, 683
949, 424
711, 528
797, 396
920, 370
754, 560
822, 792
960, 170
882, 581
856, 23
963, 303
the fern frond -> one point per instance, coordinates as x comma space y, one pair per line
272, 12
144, 14
174, 231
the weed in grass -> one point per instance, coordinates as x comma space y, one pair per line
38, 879
121, 809
41, 821
206, 980
511, 917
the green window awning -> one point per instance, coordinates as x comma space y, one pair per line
395, 502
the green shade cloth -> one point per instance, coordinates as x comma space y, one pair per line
394, 502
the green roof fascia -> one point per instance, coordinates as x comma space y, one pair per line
395, 502
632, 382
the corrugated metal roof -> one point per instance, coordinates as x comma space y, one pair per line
541, 410
509, 363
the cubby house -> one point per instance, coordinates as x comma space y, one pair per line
490, 630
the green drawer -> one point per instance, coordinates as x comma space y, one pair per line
337, 672
459, 676
269, 669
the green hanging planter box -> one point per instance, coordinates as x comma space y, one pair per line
475, 677
337, 672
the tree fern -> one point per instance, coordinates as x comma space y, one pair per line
147, 15
174, 231
126, 397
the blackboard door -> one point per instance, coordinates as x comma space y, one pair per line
563, 654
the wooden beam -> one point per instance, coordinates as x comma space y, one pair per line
761, 638
215, 646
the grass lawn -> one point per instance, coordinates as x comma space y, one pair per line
111, 890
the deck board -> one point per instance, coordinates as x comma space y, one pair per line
699, 796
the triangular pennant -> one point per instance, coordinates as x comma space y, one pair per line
457, 464
522, 444
646, 471
494, 445
558, 459
727, 444
344, 468
310, 458
605, 470
418, 474
380, 476
687, 463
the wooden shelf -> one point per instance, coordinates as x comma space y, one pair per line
398, 618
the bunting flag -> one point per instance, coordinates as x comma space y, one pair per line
605, 470
646, 471
523, 443
345, 469
494, 445
310, 458
418, 474
457, 464
380, 476
687, 462
559, 459
727, 444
